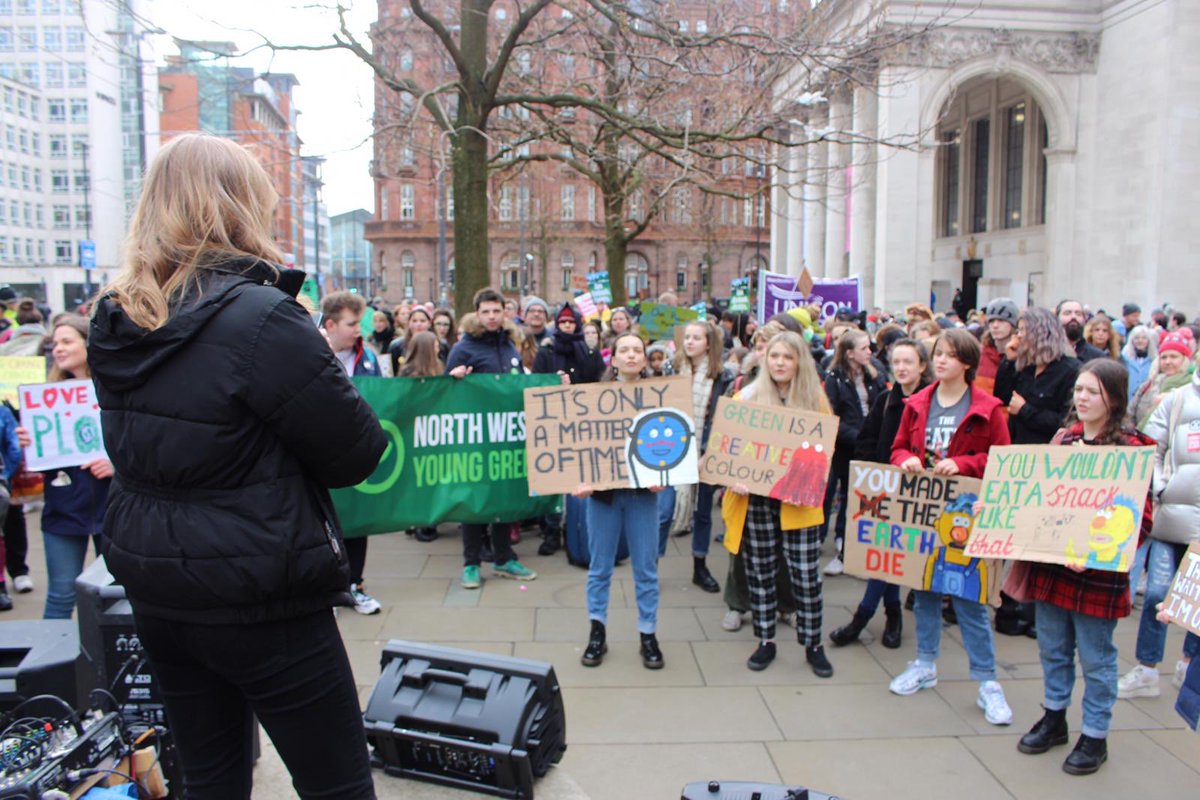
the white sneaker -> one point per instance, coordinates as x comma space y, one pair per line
918, 676
1141, 681
1142, 581
1181, 668
835, 567
363, 602
732, 621
23, 584
995, 707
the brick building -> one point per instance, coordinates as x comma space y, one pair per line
547, 228
203, 92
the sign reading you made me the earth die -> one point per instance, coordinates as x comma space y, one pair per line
614, 435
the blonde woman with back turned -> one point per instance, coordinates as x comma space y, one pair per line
228, 418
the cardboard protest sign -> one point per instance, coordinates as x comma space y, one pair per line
586, 305
701, 310
63, 420
739, 295
1182, 602
1063, 505
18, 370
599, 287
910, 528
658, 321
610, 435
776, 452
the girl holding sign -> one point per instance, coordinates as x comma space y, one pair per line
910, 367
631, 513
76, 497
949, 427
788, 378
1077, 608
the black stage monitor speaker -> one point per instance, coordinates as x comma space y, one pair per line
471, 720
41, 657
748, 790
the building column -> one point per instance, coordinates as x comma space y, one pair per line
1059, 272
862, 191
840, 121
797, 164
814, 201
780, 231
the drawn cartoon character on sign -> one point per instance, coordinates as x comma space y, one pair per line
949, 570
659, 441
803, 484
1111, 528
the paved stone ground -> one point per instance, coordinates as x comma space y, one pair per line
634, 733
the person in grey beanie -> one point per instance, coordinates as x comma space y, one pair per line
536, 314
1002, 314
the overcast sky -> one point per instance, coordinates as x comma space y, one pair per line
335, 92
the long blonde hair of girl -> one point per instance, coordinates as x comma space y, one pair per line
805, 392
204, 200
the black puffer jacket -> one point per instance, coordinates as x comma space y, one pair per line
879, 431
226, 427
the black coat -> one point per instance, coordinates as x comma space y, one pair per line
843, 398
569, 355
878, 432
226, 427
484, 351
1047, 398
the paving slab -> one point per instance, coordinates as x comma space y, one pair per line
661, 715
833, 711
622, 664
629, 772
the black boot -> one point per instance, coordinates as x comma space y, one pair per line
1087, 756
551, 543
849, 632
893, 627
426, 534
596, 647
652, 657
703, 578
1050, 731
815, 656
910, 600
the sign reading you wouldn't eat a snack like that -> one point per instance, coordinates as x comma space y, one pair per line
776, 452
613, 435
1063, 505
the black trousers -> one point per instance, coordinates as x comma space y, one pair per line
16, 541
502, 551
293, 675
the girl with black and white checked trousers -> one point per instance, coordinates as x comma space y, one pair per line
788, 378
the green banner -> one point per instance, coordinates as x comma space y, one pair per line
456, 453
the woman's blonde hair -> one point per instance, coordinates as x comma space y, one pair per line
204, 200
805, 392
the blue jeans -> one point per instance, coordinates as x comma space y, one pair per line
1060, 634
878, 590
64, 561
1137, 567
972, 621
665, 501
702, 520
1161, 563
634, 513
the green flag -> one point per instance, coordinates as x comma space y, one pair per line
456, 453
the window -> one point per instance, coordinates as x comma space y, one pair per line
27, 7
82, 181
25, 181
1014, 164
567, 260
406, 59
568, 202
54, 75
28, 208
635, 206
979, 176
10, 137
77, 76
701, 26
6, 39
501, 14
83, 216
705, 277
747, 212
383, 203
592, 261
62, 251
79, 109
407, 157
683, 26
10, 100
51, 6
523, 201
27, 39
61, 216
760, 210
1044, 138
76, 39
408, 268
450, 204
52, 38
29, 74
683, 211
58, 145
408, 205
3, 248
506, 205
510, 269
591, 204
37, 179
680, 272
950, 182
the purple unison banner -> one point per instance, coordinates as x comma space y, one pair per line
778, 293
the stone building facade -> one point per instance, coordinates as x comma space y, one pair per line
1048, 152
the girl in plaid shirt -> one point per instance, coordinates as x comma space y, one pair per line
1078, 608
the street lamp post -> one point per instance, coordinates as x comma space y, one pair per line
87, 221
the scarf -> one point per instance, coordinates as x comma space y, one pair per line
569, 350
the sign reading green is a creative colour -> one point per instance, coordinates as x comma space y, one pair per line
456, 453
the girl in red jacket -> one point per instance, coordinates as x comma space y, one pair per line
948, 427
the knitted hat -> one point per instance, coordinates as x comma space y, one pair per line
534, 300
567, 312
1003, 308
1177, 343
